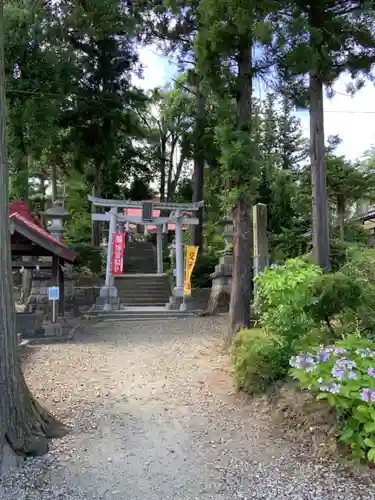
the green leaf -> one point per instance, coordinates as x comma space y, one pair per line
369, 442
371, 455
346, 435
370, 427
322, 395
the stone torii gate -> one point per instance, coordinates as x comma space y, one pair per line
177, 215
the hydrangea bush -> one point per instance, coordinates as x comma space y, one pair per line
344, 375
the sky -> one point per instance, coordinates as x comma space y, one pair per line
352, 118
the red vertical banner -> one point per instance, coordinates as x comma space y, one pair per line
118, 247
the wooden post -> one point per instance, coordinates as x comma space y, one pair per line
261, 257
61, 289
55, 265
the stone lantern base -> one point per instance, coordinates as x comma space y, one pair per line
38, 299
221, 285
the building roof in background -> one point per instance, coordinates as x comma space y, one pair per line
137, 212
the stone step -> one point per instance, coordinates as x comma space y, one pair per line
146, 289
151, 297
139, 314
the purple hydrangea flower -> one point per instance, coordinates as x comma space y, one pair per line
337, 372
365, 394
304, 361
323, 355
340, 350
368, 395
365, 353
331, 387
343, 367
371, 372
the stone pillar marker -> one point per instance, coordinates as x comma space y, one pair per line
261, 256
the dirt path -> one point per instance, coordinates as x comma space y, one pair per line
154, 417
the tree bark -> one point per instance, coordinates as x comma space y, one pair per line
162, 151
341, 210
320, 226
96, 191
199, 161
239, 311
54, 182
24, 425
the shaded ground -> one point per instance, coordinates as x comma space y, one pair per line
154, 417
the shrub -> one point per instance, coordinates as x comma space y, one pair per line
258, 359
334, 297
203, 269
360, 269
344, 375
283, 295
90, 257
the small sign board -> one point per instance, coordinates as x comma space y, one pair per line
174, 272
53, 293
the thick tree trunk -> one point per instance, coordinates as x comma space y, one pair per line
163, 176
199, 160
54, 182
239, 311
341, 210
96, 191
24, 425
320, 226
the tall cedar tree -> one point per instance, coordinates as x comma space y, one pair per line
227, 38
25, 425
100, 118
322, 39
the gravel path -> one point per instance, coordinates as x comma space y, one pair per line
154, 417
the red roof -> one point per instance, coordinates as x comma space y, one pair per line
19, 211
22, 208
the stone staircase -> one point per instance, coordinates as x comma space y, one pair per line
140, 258
139, 290
142, 294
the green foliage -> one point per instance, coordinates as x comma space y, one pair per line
259, 359
283, 294
360, 269
203, 269
344, 376
333, 296
90, 257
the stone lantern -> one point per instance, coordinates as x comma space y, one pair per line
227, 225
54, 219
222, 276
55, 216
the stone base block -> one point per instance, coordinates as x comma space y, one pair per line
29, 325
107, 300
174, 303
187, 304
